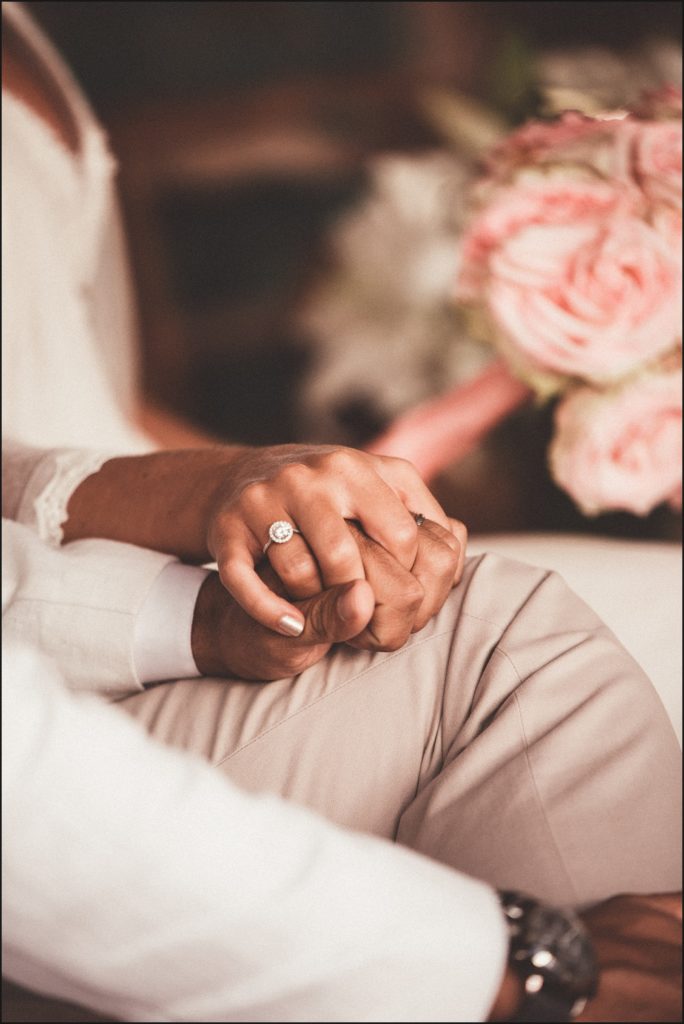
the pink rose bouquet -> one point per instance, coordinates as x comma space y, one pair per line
571, 267
621, 448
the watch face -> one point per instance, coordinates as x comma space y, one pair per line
561, 935
552, 943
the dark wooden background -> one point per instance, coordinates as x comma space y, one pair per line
242, 131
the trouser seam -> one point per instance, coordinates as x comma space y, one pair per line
348, 682
530, 769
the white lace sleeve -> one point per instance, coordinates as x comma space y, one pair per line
50, 505
54, 478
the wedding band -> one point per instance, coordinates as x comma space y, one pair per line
419, 518
279, 533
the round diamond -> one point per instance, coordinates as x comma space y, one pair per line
280, 531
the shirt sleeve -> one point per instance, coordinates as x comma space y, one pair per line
139, 881
162, 646
78, 604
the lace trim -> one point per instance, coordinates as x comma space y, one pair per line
50, 506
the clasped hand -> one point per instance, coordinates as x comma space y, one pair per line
318, 490
359, 569
378, 612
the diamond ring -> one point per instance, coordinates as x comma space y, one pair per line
279, 533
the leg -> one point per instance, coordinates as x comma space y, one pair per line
560, 773
513, 738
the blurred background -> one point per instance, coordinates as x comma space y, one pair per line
262, 144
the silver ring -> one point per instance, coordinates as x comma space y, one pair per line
280, 532
419, 518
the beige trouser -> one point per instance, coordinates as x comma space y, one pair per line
513, 738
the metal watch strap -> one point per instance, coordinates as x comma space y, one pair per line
552, 956
545, 1007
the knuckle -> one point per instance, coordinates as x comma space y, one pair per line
405, 534
444, 560
422, 620
254, 494
460, 530
297, 566
408, 469
393, 642
407, 602
449, 540
403, 467
411, 596
341, 554
384, 633
294, 476
340, 460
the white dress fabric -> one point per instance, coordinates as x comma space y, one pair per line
68, 335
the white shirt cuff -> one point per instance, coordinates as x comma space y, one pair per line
162, 647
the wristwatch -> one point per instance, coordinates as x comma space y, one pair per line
552, 954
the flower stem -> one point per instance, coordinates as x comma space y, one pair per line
442, 431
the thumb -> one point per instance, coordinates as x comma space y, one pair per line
337, 614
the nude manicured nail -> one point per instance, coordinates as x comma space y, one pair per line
291, 626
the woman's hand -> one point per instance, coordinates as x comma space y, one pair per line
219, 504
378, 613
315, 490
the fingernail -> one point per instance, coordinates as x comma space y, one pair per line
291, 626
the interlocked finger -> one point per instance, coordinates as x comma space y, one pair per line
296, 567
435, 568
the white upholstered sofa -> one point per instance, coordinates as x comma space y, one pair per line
635, 586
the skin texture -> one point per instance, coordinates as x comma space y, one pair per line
378, 613
638, 940
217, 504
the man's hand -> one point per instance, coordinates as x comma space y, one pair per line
226, 641
406, 600
638, 945
317, 489
638, 942
218, 504
378, 613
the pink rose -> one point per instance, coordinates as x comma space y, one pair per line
570, 138
621, 449
662, 104
667, 221
575, 280
643, 147
655, 158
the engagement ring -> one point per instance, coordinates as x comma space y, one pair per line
279, 533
